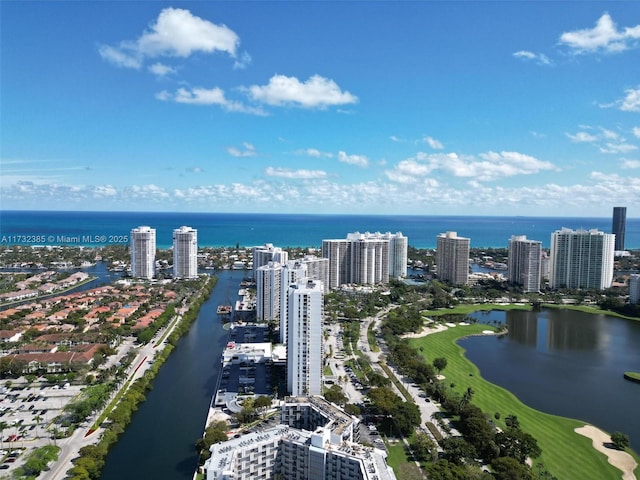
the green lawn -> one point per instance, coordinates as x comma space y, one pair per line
565, 454
465, 309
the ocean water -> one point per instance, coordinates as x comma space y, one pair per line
283, 230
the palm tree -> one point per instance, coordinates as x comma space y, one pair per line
37, 418
3, 425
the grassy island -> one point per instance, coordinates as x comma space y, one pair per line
633, 376
565, 454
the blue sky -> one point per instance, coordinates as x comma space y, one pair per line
435, 108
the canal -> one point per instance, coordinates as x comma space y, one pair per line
159, 442
566, 363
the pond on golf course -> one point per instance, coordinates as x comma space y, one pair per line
566, 363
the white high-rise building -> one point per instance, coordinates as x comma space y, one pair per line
452, 258
524, 263
369, 258
185, 252
581, 259
293, 271
317, 269
634, 288
268, 285
365, 258
143, 252
338, 252
398, 246
266, 253
305, 300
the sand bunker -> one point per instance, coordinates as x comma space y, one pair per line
617, 458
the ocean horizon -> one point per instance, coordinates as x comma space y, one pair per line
92, 229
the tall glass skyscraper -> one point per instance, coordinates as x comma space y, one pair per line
619, 225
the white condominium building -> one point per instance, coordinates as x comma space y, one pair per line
266, 253
312, 443
369, 258
305, 309
581, 259
524, 263
185, 252
365, 258
268, 296
452, 258
338, 252
143, 252
398, 246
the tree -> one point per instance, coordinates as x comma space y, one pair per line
440, 364
406, 416
335, 395
507, 468
512, 421
457, 449
445, 470
620, 440
424, 449
517, 444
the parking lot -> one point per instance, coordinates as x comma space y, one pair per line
27, 410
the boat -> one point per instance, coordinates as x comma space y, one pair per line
224, 310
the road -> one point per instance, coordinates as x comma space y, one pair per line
427, 407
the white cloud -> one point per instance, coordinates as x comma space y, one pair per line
175, 33
397, 139
316, 92
631, 103
201, 96
148, 192
433, 143
488, 167
607, 141
207, 96
581, 137
630, 164
604, 37
358, 160
105, 191
242, 62
636, 131
315, 153
617, 148
294, 174
313, 191
161, 69
409, 171
122, 56
249, 151
538, 58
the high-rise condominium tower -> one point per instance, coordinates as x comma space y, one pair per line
581, 259
366, 258
619, 225
524, 263
304, 344
266, 253
452, 258
268, 284
185, 252
143, 252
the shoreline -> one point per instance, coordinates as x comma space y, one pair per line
618, 458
